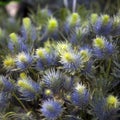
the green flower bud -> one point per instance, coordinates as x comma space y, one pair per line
52, 24
105, 19
74, 19
112, 102
13, 37
94, 18
27, 23
99, 42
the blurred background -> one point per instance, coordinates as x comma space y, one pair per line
12, 11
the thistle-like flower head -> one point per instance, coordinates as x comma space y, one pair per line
85, 54
63, 47
71, 61
51, 109
94, 18
80, 96
112, 102
28, 89
116, 21
5, 84
106, 108
45, 57
103, 25
52, 24
80, 88
99, 42
68, 83
13, 38
4, 100
9, 62
116, 25
102, 48
23, 60
41, 53
53, 80
74, 19
27, 23
105, 19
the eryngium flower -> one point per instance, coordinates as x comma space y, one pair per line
74, 19
71, 61
13, 37
51, 109
112, 102
9, 63
103, 25
4, 100
53, 80
80, 96
72, 22
106, 109
23, 60
28, 89
52, 25
63, 47
45, 58
27, 23
85, 54
116, 26
28, 31
68, 83
102, 48
5, 84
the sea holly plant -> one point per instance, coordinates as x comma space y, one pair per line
61, 69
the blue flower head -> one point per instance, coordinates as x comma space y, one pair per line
85, 53
45, 58
4, 100
72, 21
99, 108
5, 84
28, 30
17, 43
29, 89
102, 48
68, 83
71, 61
116, 26
51, 109
23, 60
106, 108
53, 80
79, 36
103, 25
80, 96
41, 55
23, 47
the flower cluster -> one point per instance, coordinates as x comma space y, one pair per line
61, 68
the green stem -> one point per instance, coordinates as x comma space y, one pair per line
20, 102
109, 66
